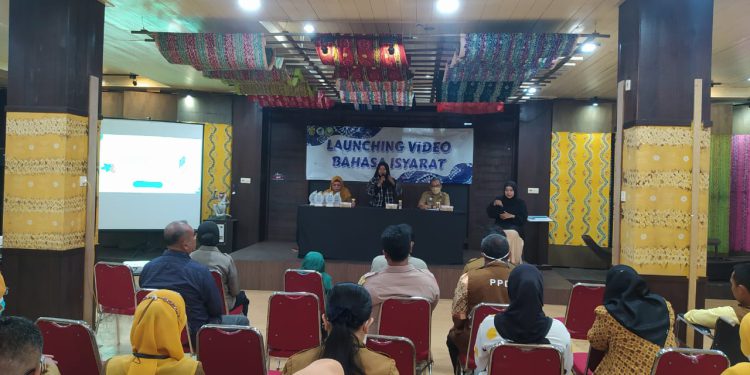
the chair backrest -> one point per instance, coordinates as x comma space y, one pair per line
400, 349
579, 317
115, 290
141, 294
508, 358
220, 286
73, 345
476, 316
222, 349
293, 323
306, 281
679, 361
410, 318
727, 340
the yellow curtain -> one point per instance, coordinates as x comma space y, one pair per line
217, 166
579, 187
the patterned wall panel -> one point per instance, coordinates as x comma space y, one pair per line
655, 227
580, 187
739, 216
719, 182
217, 165
45, 206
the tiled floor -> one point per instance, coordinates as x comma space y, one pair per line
441, 322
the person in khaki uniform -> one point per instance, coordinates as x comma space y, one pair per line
487, 284
434, 197
346, 320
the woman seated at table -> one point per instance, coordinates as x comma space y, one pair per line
337, 186
632, 325
510, 215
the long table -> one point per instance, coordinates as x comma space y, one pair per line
354, 233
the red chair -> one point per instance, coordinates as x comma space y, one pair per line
680, 361
508, 358
400, 349
224, 349
410, 318
187, 344
293, 323
306, 281
115, 292
73, 345
220, 285
586, 363
579, 316
476, 316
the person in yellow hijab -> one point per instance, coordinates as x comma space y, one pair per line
337, 186
744, 367
155, 339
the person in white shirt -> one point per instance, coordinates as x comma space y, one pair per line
524, 322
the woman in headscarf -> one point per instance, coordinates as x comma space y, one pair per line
523, 322
742, 368
155, 339
347, 320
313, 261
337, 186
632, 325
510, 215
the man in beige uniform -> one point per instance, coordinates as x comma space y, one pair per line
399, 278
487, 284
435, 197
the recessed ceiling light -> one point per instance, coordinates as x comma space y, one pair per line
569, 64
525, 97
576, 58
447, 6
588, 47
309, 28
250, 5
428, 76
531, 90
748, 79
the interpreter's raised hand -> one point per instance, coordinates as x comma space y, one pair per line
497, 202
506, 216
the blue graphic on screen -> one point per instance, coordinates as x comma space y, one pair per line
149, 164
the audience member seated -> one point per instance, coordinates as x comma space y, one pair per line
510, 215
744, 367
21, 345
210, 256
347, 320
174, 270
524, 322
486, 284
434, 198
322, 367
155, 339
474, 263
399, 278
379, 263
337, 186
632, 325
740, 284
314, 261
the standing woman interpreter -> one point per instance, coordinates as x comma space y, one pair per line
383, 188
510, 214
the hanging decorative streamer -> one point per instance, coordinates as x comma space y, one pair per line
489, 66
211, 51
471, 108
318, 101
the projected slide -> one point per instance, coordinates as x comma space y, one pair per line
148, 164
149, 174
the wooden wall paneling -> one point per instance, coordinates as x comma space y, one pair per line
112, 103
146, 105
247, 146
535, 129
